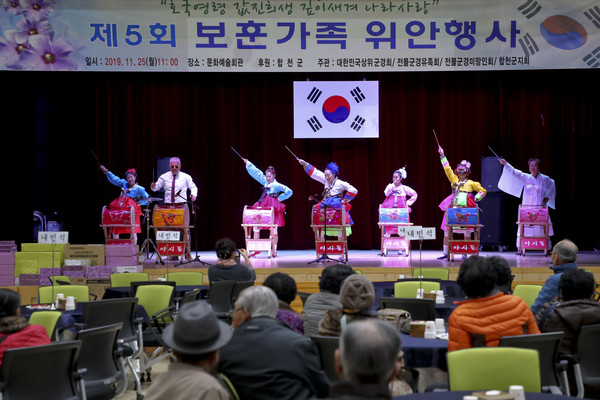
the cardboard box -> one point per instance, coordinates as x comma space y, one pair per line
417, 329
7, 280
7, 258
121, 250
26, 267
7, 270
47, 272
37, 247
43, 259
93, 252
84, 262
129, 268
98, 288
121, 260
29, 294
78, 280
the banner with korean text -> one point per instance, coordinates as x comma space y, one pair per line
336, 109
298, 35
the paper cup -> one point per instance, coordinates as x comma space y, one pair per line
429, 330
518, 391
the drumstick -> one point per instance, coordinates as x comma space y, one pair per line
237, 153
436, 139
494, 152
94, 154
291, 152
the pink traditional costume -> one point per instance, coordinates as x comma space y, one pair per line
396, 198
273, 193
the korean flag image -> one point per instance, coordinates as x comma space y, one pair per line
346, 109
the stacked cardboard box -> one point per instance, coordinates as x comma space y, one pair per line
34, 256
7, 263
121, 254
92, 252
46, 273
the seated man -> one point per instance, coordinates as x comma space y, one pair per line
488, 314
366, 366
564, 255
572, 310
195, 337
266, 359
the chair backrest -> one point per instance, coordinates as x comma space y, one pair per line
409, 289
436, 273
154, 298
112, 311
326, 346
588, 353
547, 346
48, 319
527, 292
186, 278
303, 296
47, 294
419, 309
237, 289
494, 368
219, 296
60, 280
105, 375
124, 279
41, 372
135, 285
189, 297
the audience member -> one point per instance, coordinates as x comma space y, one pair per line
228, 267
195, 338
15, 331
487, 314
284, 287
504, 275
357, 295
564, 255
572, 310
265, 359
328, 298
366, 366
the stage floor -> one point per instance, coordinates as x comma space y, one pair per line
371, 259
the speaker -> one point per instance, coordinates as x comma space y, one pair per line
491, 170
491, 217
162, 166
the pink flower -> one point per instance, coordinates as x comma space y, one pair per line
37, 10
12, 50
12, 7
44, 54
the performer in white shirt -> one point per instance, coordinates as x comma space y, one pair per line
538, 190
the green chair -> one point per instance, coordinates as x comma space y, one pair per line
186, 278
409, 289
47, 319
527, 292
154, 298
494, 368
47, 294
432, 273
60, 280
124, 279
358, 271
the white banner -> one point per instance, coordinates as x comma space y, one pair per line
298, 35
336, 109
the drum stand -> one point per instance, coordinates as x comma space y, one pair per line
324, 257
148, 246
197, 258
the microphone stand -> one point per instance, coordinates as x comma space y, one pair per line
324, 257
197, 259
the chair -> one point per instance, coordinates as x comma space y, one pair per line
228, 385
547, 346
326, 346
42, 373
219, 297
186, 278
189, 297
105, 375
419, 309
58, 280
436, 273
585, 364
409, 289
124, 279
47, 294
111, 311
303, 296
496, 368
527, 292
237, 289
48, 319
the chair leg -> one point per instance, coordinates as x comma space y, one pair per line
578, 381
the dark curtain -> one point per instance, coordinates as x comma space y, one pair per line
54, 121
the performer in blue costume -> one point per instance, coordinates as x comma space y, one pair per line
272, 196
336, 193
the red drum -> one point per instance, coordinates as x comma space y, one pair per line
170, 215
258, 216
533, 214
124, 212
334, 216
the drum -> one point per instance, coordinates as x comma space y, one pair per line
334, 216
393, 215
463, 216
258, 216
124, 212
533, 214
170, 215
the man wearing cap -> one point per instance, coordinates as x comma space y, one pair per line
265, 358
195, 338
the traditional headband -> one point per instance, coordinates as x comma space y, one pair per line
131, 171
333, 167
401, 171
271, 170
464, 166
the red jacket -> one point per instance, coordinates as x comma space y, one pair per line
482, 322
31, 335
